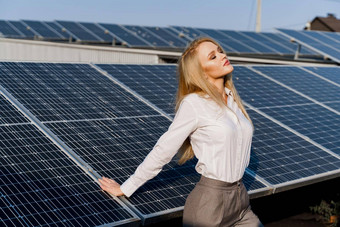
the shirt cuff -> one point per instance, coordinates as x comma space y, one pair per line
128, 188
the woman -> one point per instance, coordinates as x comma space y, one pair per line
212, 124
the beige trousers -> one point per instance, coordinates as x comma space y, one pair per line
217, 203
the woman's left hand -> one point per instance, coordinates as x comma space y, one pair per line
110, 186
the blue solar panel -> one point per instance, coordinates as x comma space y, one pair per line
146, 35
6, 30
114, 130
28, 33
190, 33
9, 114
40, 185
253, 45
58, 29
284, 42
316, 41
55, 92
78, 32
167, 36
261, 92
42, 29
227, 43
155, 83
280, 156
330, 73
302, 81
106, 36
311, 120
128, 38
116, 147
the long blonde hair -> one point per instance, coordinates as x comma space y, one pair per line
191, 80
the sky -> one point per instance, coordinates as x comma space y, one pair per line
217, 14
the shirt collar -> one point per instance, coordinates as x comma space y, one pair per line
228, 91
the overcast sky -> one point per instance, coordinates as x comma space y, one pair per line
221, 14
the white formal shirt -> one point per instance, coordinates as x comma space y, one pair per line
220, 138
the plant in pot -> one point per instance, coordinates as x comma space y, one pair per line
329, 212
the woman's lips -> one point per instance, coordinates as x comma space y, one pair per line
226, 63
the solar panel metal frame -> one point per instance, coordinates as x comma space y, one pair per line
309, 46
72, 155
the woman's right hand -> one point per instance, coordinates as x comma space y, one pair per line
110, 186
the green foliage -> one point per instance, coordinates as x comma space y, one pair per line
326, 210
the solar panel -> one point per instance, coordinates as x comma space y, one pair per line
330, 73
303, 81
42, 29
79, 32
54, 92
40, 185
280, 156
116, 147
112, 146
129, 38
227, 43
261, 92
252, 44
113, 121
58, 29
167, 36
10, 115
316, 41
148, 36
26, 31
311, 120
245, 42
254, 89
155, 83
6, 30
106, 36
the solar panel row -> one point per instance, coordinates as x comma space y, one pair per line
236, 42
325, 43
113, 129
40, 185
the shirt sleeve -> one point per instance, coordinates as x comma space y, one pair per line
184, 123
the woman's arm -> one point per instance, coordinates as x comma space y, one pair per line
184, 123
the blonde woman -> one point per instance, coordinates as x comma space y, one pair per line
212, 124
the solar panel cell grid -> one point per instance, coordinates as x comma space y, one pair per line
68, 92
313, 121
10, 115
147, 36
98, 31
261, 92
311, 39
302, 81
23, 29
78, 31
128, 37
7, 31
156, 84
42, 29
281, 156
41, 186
330, 73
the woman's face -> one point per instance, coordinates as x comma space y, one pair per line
214, 62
